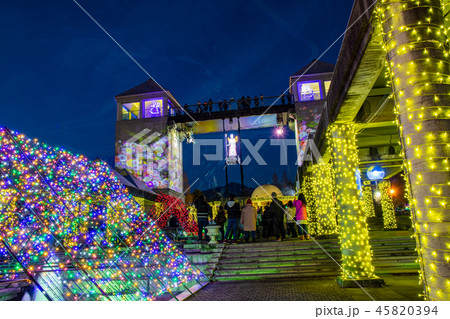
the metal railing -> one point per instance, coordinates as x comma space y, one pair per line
242, 104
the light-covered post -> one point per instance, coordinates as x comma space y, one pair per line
369, 209
354, 235
415, 41
324, 198
387, 205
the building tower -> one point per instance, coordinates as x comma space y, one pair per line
146, 145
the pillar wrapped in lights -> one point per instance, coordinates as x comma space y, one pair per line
354, 235
415, 38
324, 198
387, 205
311, 204
368, 207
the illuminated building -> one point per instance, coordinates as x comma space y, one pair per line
146, 145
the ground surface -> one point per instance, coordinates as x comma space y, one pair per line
398, 288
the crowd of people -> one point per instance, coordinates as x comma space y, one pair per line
243, 103
274, 220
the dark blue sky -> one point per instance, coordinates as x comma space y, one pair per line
60, 72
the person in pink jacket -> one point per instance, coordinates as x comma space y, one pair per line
301, 216
248, 220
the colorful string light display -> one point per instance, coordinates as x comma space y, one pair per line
387, 205
75, 230
415, 39
354, 235
323, 191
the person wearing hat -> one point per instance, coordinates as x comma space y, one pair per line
276, 207
248, 220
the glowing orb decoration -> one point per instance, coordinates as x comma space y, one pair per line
375, 173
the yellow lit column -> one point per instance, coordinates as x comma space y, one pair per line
415, 43
324, 199
368, 207
387, 205
311, 206
446, 12
354, 235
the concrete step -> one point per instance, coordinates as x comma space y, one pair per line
287, 244
279, 258
285, 275
278, 254
309, 266
398, 250
262, 264
302, 259
312, 245
299, 254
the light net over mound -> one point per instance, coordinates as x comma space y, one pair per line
71, 228
171, 206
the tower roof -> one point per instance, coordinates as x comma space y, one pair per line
149, 86
315, 67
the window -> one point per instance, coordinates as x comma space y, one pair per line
130, 111
309, 91
327, 87
153, 108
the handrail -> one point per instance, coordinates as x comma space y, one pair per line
241, 104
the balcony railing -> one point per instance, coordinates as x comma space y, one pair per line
242, 105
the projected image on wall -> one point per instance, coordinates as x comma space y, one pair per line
232, 149
175, 162
148, 162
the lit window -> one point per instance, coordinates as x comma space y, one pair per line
153, 108
327, 87
130, 111
309, 91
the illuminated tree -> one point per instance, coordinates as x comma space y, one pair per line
416, 44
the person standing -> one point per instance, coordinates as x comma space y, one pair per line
248, 220
276, 206
256, 101
234, 214
267, 219
204, 212
210, 106
259, 222
220, 220
301, 216
290, 218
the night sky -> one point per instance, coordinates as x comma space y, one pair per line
60, 71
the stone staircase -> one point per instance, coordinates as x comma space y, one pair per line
305, 259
